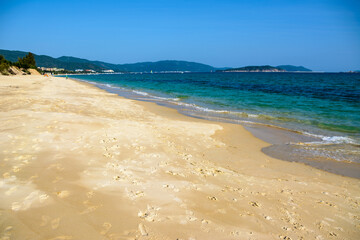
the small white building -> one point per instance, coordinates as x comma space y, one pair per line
51, 69
108, 71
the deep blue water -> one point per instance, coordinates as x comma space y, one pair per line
326, 105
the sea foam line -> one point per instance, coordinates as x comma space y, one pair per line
324, 140
327, 140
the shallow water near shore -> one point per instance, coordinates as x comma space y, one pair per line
307, 117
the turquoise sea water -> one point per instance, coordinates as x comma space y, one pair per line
324, 106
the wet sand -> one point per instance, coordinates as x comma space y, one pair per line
80, 163
281, 149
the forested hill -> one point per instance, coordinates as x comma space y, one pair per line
291, 68
265, 68
268, 68
73, 63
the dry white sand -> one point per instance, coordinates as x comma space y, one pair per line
80, 163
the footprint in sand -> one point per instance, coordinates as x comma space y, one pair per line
62, 238
6, 175
255, 204
55, 223
57, 179
43, 197
33, 197
175, 189
150, 214
57, 166
286, 228
6, 234
212, 198
142, 230
106, 228
134, 194
222, 211
11, 191
90, 208
44, 220
90, 194
63, 194
16, 169
205, 225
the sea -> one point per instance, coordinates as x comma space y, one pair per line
312, 118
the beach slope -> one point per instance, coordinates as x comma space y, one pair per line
80, 163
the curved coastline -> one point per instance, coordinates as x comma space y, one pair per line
79, 161
284, 142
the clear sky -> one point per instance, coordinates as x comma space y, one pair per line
323, 35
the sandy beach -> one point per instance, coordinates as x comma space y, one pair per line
78, 162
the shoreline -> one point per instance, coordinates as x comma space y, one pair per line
277, 136
125, 169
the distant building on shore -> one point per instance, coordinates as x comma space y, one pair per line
79, 70
90, 71
108, 71
51, 69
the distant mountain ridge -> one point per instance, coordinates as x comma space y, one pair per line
73, 63
265, 68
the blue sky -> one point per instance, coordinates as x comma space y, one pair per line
321, 35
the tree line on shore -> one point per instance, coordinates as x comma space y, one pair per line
22, 63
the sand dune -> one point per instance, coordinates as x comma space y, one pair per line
80, 163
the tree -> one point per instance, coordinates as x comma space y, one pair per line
27, 62
4, 65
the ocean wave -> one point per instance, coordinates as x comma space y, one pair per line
135, 92
235, 113
145, 94
338, 140
140, 93
81, 80
203, 109
328, 140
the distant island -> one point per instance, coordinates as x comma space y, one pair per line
291, 68
267, 68
67, 65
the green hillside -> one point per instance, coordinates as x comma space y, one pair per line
265, 68
72, 63
168, 65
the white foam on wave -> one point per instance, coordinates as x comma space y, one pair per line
338, 139
252, 115
154, 97
81, 80
327, 140
205, 109
140, 93
197, 107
